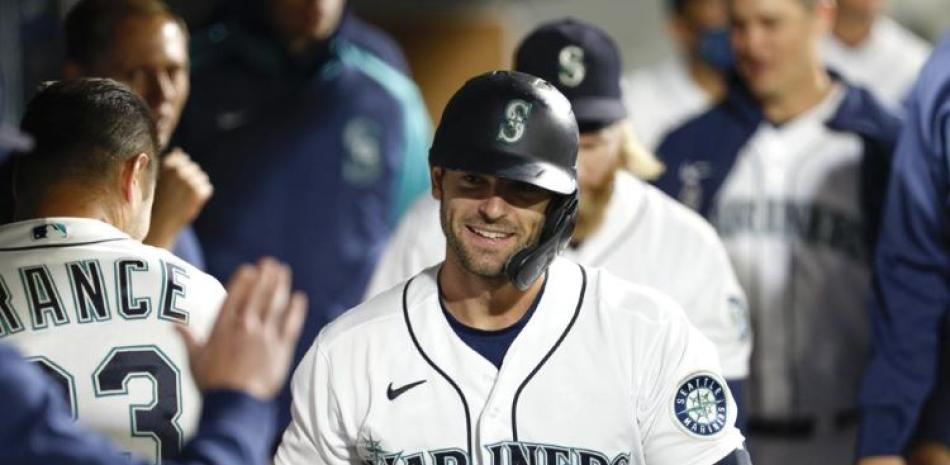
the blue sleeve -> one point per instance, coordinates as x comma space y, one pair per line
412, 176
737, 386
188, 248
737, 457
37, 429
910, 292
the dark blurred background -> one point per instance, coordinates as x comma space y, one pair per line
445, 41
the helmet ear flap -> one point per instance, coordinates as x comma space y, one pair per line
524, 267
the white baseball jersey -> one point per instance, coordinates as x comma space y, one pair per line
646, 238
96, 310
790, 216
660, 98
886, 63
605, 372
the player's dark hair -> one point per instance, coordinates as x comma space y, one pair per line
91, 24
84, 130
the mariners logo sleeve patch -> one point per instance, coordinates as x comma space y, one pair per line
700, 405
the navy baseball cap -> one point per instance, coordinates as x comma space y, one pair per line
583, 62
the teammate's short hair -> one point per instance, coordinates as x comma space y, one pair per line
83, 130
90, 25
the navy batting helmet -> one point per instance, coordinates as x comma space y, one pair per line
516, 126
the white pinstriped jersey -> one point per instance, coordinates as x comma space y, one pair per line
646, 238
790, 216
95, 309
604, 373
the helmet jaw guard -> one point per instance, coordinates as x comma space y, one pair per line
524, 267
516, 126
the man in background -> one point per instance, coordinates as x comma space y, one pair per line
662, 97
874, 51
144, 45
910, 295
314, 141
794, 165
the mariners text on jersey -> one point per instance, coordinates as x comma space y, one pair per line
605, 372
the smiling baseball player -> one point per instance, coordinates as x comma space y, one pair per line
625, 226
505, 354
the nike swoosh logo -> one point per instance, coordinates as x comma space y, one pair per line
392, 394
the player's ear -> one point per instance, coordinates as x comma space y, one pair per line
435, 176
134, 175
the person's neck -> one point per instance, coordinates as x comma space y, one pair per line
797, 100
74, 203
853, 30
709, 79
483, 303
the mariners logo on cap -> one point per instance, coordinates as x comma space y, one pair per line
516, 117
573, 71
700, 405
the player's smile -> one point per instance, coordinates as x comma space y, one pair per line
491, 236
487, 219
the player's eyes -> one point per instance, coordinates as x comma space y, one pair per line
472, 180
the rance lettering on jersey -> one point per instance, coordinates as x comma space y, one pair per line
174, 277
503, 453
42, 296
130, 307
9, 321
89, 290
45, 294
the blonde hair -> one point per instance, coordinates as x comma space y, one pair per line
635, 158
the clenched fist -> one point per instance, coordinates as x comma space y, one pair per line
183, 189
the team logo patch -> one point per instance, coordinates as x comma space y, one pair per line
700, 406
691, 177
363, 163
516, 117
43, 231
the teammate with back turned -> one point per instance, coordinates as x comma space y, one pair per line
504, 353
80, 295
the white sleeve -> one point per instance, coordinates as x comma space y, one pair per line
718, 308
686, 412
315, 435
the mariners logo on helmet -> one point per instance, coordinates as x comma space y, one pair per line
512, 128
700, 405
572, 71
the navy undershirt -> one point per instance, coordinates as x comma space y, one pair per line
493, 345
